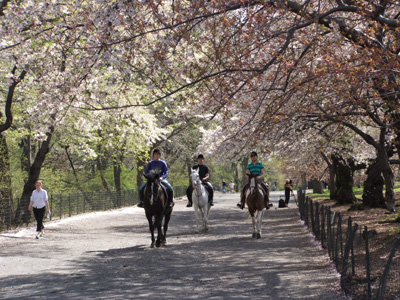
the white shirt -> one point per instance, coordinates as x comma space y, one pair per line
39, 198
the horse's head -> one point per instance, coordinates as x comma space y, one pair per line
194, 176
252, 182
152, 187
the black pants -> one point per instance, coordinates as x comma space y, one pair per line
287, 197
189, 192
39, 215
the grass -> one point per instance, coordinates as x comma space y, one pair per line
356, 191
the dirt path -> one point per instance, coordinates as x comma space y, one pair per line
106, 255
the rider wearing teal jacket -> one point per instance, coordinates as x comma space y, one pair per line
255, 167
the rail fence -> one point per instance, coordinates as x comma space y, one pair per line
357, 256
67, 205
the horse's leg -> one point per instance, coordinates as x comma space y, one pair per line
159, 230
151, 226
254, 224
260, 214
206, 210
202, 218
205, 216
167, 217
196, 215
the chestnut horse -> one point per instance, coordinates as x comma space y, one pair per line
155, 206
255, 203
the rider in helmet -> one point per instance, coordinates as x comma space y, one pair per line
160, 167
255, 167
204, 175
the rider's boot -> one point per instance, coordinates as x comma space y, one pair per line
141, 196
241, 203
189, 191
266, 203
211, 197
170, 200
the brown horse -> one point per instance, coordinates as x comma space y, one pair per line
255, 202
156, 208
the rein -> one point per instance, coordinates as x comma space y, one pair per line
154, 188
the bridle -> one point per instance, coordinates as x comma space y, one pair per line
154, 188
196, 182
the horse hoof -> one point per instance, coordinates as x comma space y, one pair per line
258, 235
152, 245
164, 243
158, 245
254, 235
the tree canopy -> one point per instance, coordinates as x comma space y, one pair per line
273, 76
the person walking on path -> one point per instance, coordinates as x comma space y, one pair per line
232, 186
223, 186
39, 202
288, 189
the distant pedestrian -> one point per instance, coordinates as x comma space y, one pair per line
223, 186
288, 189
39, 202
232, 186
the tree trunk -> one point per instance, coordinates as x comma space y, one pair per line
77, 182
22, 213
344, 180
26, 156
243, 164
332, 172
117, 181
6, 200
332, 185
101, 168
317, 186
389, 184
303, 181
373, 186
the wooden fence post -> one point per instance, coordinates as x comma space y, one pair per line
382, 283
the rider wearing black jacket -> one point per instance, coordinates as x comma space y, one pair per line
204, 174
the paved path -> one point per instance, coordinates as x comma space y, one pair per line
106, 255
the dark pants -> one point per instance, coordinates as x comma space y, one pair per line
287, 196
210, 190
39, 215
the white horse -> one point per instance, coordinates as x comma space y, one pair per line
200, 200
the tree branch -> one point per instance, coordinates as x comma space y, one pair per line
10, 95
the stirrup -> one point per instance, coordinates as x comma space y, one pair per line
140, 204
189, 204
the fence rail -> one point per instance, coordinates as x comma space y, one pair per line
67, 205
349, 246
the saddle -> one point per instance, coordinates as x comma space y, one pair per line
263, 191
165, 192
